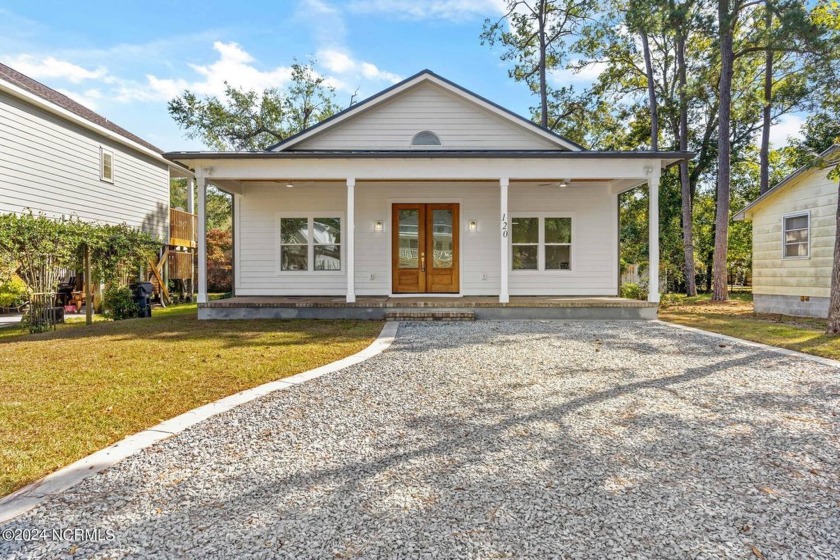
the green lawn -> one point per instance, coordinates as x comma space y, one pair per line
68, 393
737, 318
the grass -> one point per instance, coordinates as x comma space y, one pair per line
737, 318
67, 393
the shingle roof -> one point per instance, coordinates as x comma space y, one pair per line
47, 93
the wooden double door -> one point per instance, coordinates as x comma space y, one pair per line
424, 248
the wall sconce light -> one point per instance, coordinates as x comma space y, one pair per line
472, 225
377, 226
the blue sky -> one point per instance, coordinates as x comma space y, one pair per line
125, 60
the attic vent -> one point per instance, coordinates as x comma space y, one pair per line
425, 138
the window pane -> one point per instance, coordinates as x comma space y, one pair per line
294, 230
442, 238
409, 254
327, 230
558, 257
796, 236
796, 222
293, 257
524, 257
558, 230
525, 230
796, 250
327, 257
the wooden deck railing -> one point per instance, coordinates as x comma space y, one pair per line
182, 228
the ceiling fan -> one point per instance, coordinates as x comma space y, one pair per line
562, 183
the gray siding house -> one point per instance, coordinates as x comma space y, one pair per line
60, 158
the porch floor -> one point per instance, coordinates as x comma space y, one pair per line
380, 302
378, 307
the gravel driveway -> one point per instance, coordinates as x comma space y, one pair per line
493, 440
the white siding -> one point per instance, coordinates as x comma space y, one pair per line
459, 123
594, 243
52, 166
774, 275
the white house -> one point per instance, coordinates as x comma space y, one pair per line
793, 226
62, 159
425, 189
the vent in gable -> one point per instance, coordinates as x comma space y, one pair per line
425, 138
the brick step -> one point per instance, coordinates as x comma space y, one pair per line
430, 316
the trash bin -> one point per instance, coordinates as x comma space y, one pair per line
143, 292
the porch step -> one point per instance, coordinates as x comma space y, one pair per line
430, 315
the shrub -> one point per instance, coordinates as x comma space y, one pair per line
12, 292
118, 304
633, 291
219, 259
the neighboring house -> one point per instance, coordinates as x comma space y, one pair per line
793, 227
425, 189
60, 158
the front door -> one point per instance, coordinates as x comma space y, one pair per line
424, 248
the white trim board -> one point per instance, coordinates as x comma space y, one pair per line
34, 494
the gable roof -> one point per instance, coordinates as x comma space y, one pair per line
425, 76
789, 180
46, 93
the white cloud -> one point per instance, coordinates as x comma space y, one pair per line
788, 125
340, 62
234, 65
49, 67
585, 76
451, 10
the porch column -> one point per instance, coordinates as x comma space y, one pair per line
191, 195
653, 234
504, 296
350, 242
202, 240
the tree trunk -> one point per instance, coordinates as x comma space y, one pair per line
719, 287
543, 79
654, 110
764, 154
685, 183
833, 326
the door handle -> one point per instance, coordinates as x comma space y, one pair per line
422, 262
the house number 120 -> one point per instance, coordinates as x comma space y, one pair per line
504, 225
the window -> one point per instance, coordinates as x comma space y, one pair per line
310, 244
425, 138
796, 235
106, 165
541, 243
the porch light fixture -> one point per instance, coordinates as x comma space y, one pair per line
472, 225
377, 226
289, 186
563, 184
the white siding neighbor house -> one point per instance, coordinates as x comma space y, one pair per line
425, 195
793, 227
59, 158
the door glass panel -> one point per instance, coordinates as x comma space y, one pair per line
442, 238
409, 243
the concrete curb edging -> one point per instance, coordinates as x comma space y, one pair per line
778, 350
28, 497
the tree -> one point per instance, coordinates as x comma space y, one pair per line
251, 120
535, 34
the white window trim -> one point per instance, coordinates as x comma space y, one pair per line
541, 244
102, 152
807, 214
310, 246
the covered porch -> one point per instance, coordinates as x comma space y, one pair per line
492, 195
